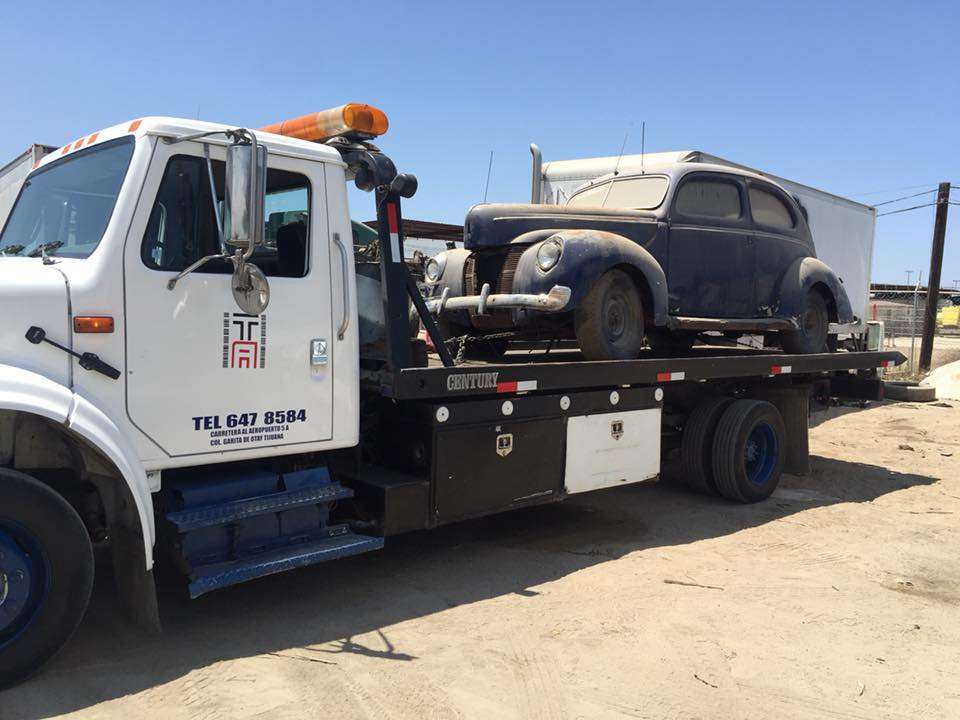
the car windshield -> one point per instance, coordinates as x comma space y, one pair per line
63, 209
629, 193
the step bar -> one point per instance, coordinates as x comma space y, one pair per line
213, 577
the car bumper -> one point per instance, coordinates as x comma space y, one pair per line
553, 301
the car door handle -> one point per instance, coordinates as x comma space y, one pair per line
345, 320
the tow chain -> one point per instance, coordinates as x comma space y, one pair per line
460, 342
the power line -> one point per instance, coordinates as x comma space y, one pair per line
905, 197
915, 207
896, 189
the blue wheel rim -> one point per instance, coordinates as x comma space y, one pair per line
24, 578
760, 454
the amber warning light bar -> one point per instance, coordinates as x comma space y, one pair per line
353, 119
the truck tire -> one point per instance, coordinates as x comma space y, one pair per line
609, 321
748, 451
814, 328
46, 574
696, 444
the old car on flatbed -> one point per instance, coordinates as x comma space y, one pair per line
651, 257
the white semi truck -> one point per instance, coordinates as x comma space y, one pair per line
181, 373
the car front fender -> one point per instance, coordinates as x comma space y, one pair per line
28, 392
588, 254
802, 275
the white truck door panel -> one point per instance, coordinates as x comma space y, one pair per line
203, 377
612, 449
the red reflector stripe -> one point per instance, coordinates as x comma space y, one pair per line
670, 376
663, 377
517, 386
507, 387
392, 217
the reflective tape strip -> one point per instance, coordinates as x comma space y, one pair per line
392, 226
668, 376
886, 363
517, 386
781, 369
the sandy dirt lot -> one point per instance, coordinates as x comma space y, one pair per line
838, 598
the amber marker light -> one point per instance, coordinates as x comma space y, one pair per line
93, 324
350, 119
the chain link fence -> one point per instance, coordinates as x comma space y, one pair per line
902, 313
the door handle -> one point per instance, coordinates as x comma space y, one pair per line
345, 320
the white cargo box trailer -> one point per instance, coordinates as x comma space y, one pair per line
843, 229
14, 173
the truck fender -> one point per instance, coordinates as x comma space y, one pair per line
587, 254
802, 275
28, 392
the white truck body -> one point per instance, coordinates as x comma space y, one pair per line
843, 230
14, 173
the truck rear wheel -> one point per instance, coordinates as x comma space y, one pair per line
748, 451
696, 444
609, 321
46, 574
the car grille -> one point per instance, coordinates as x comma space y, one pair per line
497, 268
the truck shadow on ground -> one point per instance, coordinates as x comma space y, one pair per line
415, 576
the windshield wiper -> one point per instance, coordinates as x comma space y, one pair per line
42, 250
12, 250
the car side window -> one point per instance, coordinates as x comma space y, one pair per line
183, 228
768, 209
709, 198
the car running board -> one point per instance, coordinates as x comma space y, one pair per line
678, 322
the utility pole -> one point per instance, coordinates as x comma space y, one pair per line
909, 275
933, 280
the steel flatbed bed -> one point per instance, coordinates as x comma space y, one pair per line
563, 370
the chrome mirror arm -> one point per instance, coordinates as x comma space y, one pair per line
172, 282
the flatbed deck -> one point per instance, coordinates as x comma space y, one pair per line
563, 370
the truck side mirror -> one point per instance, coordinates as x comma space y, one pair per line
245, 195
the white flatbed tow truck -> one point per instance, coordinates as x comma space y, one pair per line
181, 373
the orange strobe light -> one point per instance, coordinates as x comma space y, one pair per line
350, 119
93, 324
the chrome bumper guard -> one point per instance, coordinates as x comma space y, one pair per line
553, 301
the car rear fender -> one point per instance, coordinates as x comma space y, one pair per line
797, 281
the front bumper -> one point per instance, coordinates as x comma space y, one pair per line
553, 301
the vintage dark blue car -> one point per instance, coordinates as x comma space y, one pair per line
657, 257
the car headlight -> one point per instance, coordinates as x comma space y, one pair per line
433, 270
549, 252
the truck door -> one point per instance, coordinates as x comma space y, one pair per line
203, 377
712, 258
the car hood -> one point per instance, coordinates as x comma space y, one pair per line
496, 225
32, 293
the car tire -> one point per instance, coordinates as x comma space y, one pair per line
696, 444
748, 451
813, 334
46, 574
609, 321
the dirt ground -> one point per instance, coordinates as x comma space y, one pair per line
837, 598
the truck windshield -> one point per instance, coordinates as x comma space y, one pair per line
629, 193
63, 209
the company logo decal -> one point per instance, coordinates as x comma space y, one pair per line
244, 341
473, 381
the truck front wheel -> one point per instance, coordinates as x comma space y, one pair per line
46, 574
609, 321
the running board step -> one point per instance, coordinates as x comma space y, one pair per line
222, 513
678, 322
220, 575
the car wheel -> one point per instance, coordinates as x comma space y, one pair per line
609, 321
814, 327
748, 451
46, 574
696, 444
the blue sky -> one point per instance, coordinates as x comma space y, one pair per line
861, 99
